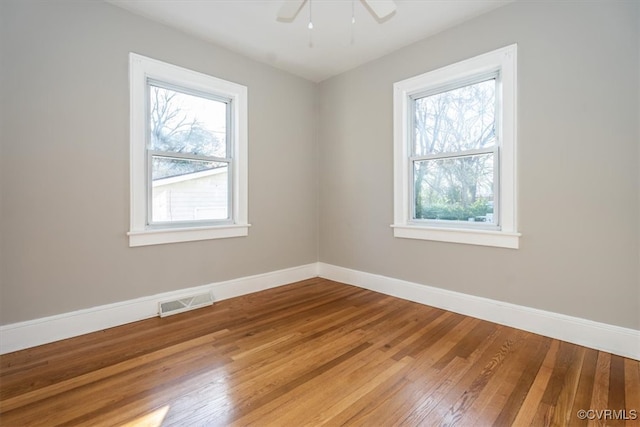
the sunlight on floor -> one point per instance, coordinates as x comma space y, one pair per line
205, 397
152, 419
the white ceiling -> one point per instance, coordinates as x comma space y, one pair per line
250, 27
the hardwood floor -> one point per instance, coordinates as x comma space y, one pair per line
312, 353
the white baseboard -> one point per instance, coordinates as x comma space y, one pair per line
600, 336
613, 339
18, 336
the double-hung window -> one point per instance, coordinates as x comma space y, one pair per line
455, 158
188, 155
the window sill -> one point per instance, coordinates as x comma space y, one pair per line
176, 235
500, 239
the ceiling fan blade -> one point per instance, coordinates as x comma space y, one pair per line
289, 10
381, 8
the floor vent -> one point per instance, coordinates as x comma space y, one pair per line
167, 308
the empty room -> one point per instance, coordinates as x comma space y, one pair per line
319, 212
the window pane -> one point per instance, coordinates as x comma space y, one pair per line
185, 123
454, 189
189, 190
456, 120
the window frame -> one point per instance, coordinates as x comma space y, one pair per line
143, 72
151, 154
502, 63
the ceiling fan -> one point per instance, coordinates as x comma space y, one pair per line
381, 9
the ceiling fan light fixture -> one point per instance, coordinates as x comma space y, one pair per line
380, 9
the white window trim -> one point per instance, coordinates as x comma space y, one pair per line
142, 68
505, 60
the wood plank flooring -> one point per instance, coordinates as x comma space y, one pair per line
315, 353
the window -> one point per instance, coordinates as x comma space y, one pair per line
455, 153
188, 155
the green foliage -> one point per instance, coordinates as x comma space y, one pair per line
455, 211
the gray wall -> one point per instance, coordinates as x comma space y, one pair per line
65, 162
578, 113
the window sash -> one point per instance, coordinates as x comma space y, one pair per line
187, 223
458, 84
230, 120
495, 225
